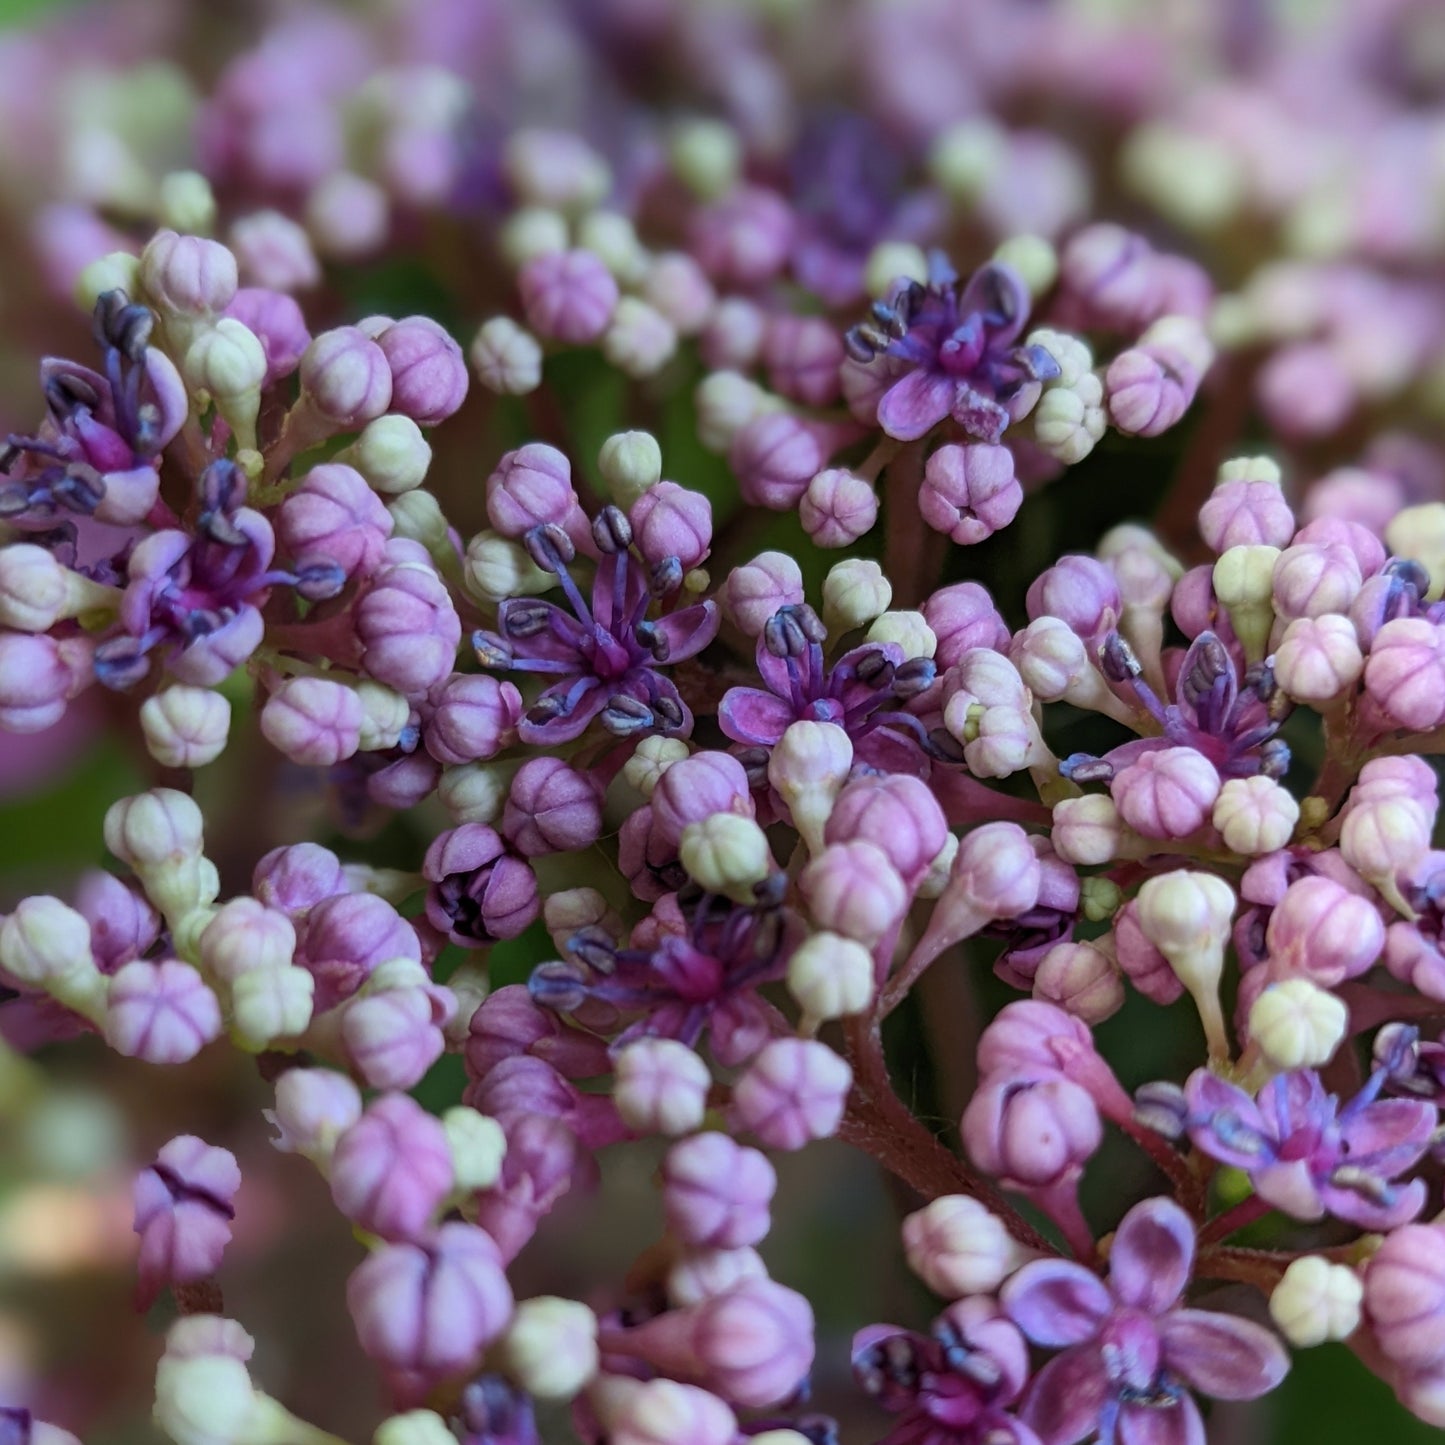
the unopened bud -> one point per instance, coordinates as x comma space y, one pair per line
831, 977
1244, 583
908, 629
1317, 1301
1187, 915
477, 1146
726, 853
185, 727
631, 463
855, 592
550, 1348
957, 1248
1297, 1024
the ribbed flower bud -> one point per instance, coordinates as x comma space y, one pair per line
639, 340
1082, 979
227, 363
726, 403
161, 1012
392, 1169
970, 492
1323, 931
1187, 916
660, 1087
754, 592
908, 630
1316, 1301
1255, 815
653, 756
37, 590
630, 463
852, 889
1070, 418
1243, 580
957, 1248
506, 357
808, 766
314, 1107
413, 1427
153, 829
792, 1091
664, 1412
1297, 1025
1405, 673
855, 592
271, 1004
1247, 507
550, 1348
1167, 793
477, 1143
726, 853
46, 944
716, 1192
185, 727
830, 977
568, 296
313, 721
837, 508
1318, 659
496, 567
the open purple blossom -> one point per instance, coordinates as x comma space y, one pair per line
1131, 1352
960, 350
1309, 1157
197, 596
603, 659
493, 1411
96, 452
701, 976
952, 1386
863, 692
1230, 721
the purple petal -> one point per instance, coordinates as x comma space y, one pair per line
1152, 1255
750, 715
1388, 1136
1290, 1186
1222, 1356
1391, 1207
689, 630
1176, 1423
1055, 1302
603, 584
911, 408
1225, 1122
998, 292
979, 415
558, 641
570, 725
1067, 1396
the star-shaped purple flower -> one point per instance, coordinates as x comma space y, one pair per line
1309, 1157
1131, 1351
605, 656
959, 351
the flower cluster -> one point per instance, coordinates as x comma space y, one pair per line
675, 791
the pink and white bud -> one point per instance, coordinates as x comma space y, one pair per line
314, 1107
716, 1193
774, 457
695, 788
802, 355
1187, 916
757, 589
392, 1036
660, 1087
246, 936
792, 1092
313, 721
1315, 579
678, 288
733, 336
392, 1169
1318, 659
187, 275
1168, 793
531, 486
335, 516
551, 808
568, 296
957, 1248
639, 340
1324, 932
837, 508
428, 371
347, 216
550, 1348
855, 593
184, 1205
1246, 509
345, 378
664, 1412
830, 977
895, 812
963, 617
969, 492
506, 357
38, 675
670, 521
1032, 1134
1405, 673
271, 250
408, 628
1082, 979
852, 888
161, 1012
185, 727
1255, 815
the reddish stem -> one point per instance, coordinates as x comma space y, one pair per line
1237, 1217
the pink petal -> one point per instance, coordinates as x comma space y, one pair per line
1152, 1255
1174, 1424
1222, 1356
911, 408
1066, 1397
1055, 1302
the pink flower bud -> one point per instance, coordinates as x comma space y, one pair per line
188, 274
1369, 551
531, 486
1031, 1134
792, 1092
743, 240
1144, 966
509, 1024
161, 1012
716, 1193
1194, 606
1382, 838
245, 935
314, 1107
1318, 659
391, 1170
896, 813
664, 1412
774, 457
676, 286
837, 508
1246, 514
970, 492
753, 1344
428, 371
1110, 273
1168, 793
334, 516
473, 715
756, 590
345, 377
408, 628
184, 1205
1395, 777
996, 873
568, 296
1149, 388
38, 676
296, 878
1323, 932
852, 888
963, 618
392, 1037
346, 215
1405, 673
480, 891
1081, 979
670, 521
274, 252
424, 1312
1405, 1297
275, 320
313, 721
695, 788
732, 339
802, 355
661, 1087
551, 808
1081, 591
1304, 391
123, 925
347, 936
1313, 579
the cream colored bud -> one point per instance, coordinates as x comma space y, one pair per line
554, 168
475, 792
1196, 181
153, 828
652, 757
1187, 916
1244, 583
115, 271
855, 592
630, 463
1069, 420
478, 1147
550, 1348
572, 909
185, 727
967, 156
1250, 469
808, 766
227, 363
1297, 1024
890, 262
1419, 534
908, 629
726, 402
958, 1248
385, 715
530, 232
269, 1004
1088, 831
45, 943
417, 516
392, 453
497, 567
640, 340
186, 203
726, 853
415, 1427
1034, 258
1317, 1301
661, 1087
612, 238
1255, 815
706, 157
831, 977
506, 357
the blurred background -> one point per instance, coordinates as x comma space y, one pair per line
1238, 131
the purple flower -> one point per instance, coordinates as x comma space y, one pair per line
1230, 724
1307, 1156
492, 1411
862, 693
958, 352
1131, 1353
951, 1386
700, 974
604, 658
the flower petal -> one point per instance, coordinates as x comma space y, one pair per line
1222, 1356
750, 715
1393, 1206
911, 408
1225, 1122
1067, 1396
1055, 1302
689, 630
1177, 1423
1388, 1136
1152, 1255
569, 725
